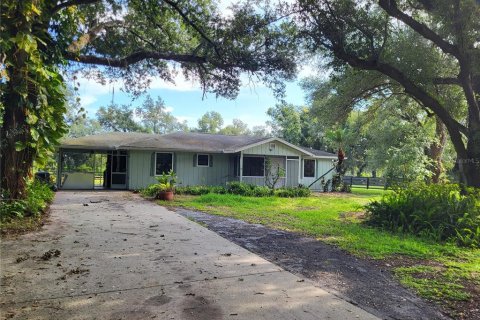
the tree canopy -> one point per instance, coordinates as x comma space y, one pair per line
425, 48
135, 40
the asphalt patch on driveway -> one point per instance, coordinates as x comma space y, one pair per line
361, 282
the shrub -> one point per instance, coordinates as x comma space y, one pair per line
290, 192
439, 212
195, 190
250, 190
152, 190
39, 195
237, 188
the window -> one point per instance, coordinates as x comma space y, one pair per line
272, 146
163, 163
253, 167
203, 160
309, 168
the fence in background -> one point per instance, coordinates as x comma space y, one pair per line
370, 182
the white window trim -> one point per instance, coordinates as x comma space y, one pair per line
314, 169
247, 156
272, 146
158, 175
208, 157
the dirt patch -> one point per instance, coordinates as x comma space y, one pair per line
158, 300
50, 254
353, 215
25, 225
460, 309
199, 308
368, 284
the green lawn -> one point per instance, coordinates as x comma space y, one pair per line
437, 271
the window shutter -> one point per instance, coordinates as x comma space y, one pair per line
194, 159
152, 164
210, 160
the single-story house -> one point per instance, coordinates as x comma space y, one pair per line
119, 160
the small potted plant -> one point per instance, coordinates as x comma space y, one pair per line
167, 184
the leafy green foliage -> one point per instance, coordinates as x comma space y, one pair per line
238, 127
382, 49
168, 181
117, 118
439, 212
156, 119
296, 125
39, 195
242, 189
293, 192
210, 122
152, 190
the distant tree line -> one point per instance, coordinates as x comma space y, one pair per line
152, 116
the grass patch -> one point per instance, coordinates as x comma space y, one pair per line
433, 282
337, 219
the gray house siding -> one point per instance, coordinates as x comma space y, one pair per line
264, 149
189, 174
139, 169
321, 167
184, 164
223, 167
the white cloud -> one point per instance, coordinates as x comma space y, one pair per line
181, 84
87, 99
94, 88
192, 122
168, 109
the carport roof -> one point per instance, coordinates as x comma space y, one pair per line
177, 141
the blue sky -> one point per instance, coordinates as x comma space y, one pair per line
186, 102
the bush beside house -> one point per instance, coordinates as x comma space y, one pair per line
237, 188
439, 212
13, 213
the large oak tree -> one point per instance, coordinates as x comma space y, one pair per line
367, 35
42, 41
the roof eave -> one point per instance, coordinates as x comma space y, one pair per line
270, 140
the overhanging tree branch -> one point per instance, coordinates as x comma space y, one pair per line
134, 58
454, 127
452, 81
390, 6
193, 25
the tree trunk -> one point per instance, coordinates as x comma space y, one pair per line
435, 151
471, 164
16, 166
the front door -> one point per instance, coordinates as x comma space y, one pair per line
119, 170
292, 172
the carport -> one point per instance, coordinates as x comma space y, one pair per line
81, 169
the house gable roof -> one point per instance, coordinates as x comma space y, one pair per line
177, 141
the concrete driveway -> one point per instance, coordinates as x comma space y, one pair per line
112, 255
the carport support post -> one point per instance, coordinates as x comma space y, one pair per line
241, 166
59, 168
